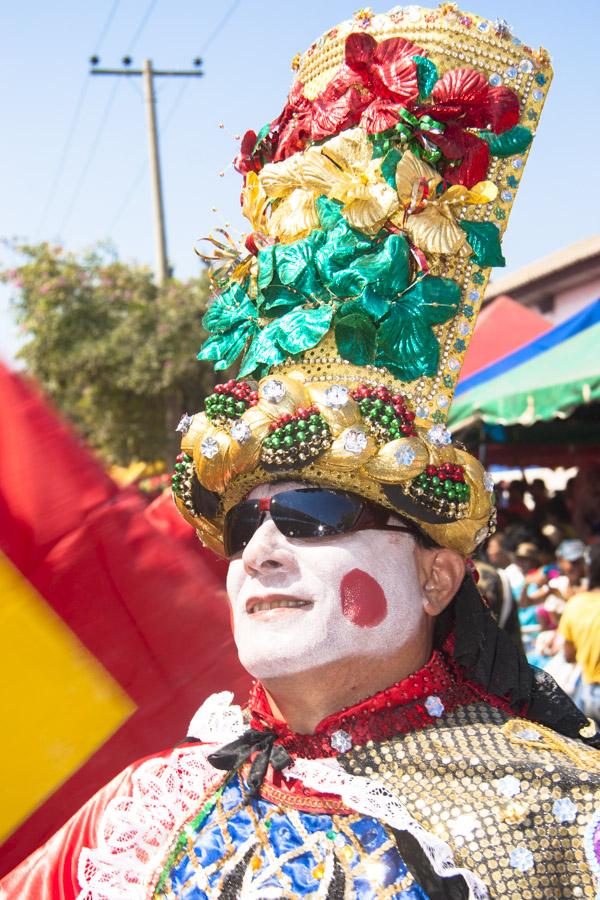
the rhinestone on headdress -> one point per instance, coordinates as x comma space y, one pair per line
209, 447
434, 706
185, 423
488, 483
273, 390
355, 441
336, 396
240, 431
509, 786
439, 436
405, 456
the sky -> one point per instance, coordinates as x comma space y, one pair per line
74, 156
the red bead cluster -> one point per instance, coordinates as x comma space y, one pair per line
301, 413
241, 390
447, 471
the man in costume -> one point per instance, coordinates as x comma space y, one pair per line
396, 743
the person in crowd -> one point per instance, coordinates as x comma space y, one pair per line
539, 495
580, 629
495, 588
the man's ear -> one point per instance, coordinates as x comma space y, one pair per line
441, 572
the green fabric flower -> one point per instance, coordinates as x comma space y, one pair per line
336, 277
232, 319
406, 344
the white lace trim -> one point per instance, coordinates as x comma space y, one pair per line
135, 832
217, 721
373, 799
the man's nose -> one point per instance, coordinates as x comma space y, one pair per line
267, 551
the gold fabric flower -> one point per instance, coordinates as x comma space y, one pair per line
429, 219
342, 169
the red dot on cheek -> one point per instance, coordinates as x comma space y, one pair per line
363, 599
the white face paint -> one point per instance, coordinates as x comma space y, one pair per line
360, 596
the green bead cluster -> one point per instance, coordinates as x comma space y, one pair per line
387, 416
444, 486
220, 408
295, 440
181, 479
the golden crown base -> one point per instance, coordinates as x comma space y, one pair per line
235, 468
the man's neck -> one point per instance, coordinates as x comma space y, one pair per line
305, 699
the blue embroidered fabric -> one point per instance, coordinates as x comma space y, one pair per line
273, 852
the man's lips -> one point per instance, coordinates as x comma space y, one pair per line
256, 605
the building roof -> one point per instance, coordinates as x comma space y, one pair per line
502, 327
563, 269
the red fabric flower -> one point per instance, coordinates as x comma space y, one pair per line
251, 160
373, 82
462, 99
246, 161
293, 126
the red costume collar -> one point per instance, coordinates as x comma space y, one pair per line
415, 702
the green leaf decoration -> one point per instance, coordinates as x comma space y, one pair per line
224, 349
484, 238
266, 267
261, 136
263, 352
427, 75
389, 165
355, 334
385, 272
434, 300
302, 329
228, 310
515, 140
406, 344
329, 212
232, 321
288, 335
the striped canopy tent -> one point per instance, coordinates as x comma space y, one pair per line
540, 403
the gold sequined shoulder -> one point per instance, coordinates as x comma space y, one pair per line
516, 802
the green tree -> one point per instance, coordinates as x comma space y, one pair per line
114, 351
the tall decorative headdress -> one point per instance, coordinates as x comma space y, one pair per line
377, 201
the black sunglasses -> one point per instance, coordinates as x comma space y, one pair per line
305, 513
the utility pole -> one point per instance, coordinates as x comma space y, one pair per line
149, 74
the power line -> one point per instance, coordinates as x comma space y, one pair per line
74, 123
220, 25
142, 25
107, 25
94, 145
92, 152
137, 180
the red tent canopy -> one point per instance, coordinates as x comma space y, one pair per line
502, 327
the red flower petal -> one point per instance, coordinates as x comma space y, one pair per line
293, 137
244, 162
296, 100
398, 78
338, 107
359, 50
472, 151
459, 95
473, 167
501, 109
395, 49
379, 116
